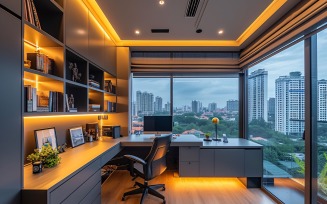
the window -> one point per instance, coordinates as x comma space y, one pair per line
276, 118
195, 102
150, 97
198, 100
321, 136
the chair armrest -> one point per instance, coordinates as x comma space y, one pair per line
135, 159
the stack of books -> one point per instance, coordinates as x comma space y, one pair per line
111, 106
94, 107
38, 101
94, 83
41, 62
31, 13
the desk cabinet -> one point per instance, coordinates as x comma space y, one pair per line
231, 162
189, 161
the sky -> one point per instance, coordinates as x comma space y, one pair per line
219, 90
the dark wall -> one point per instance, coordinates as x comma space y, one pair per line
14, 6
10, 107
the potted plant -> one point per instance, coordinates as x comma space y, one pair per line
47, 156
207, 135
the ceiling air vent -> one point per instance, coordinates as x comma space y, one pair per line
192, 7
160, 30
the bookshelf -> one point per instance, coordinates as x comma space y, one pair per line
56, 76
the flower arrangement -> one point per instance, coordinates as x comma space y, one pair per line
215, 121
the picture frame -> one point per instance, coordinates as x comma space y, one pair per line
45, 137
76, 136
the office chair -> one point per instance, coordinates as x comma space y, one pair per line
152, 166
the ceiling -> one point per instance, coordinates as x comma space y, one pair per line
240, 20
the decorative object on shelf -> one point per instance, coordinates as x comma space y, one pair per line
71, 101
37, 167
41, 62
207, 136
76, 136
46, 155
92, 82
45, 137
62, 148
76, 76
215, 121
225, 140
93, 129
27, 63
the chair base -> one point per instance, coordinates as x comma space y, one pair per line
144, 189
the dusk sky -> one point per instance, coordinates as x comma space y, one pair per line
219, 90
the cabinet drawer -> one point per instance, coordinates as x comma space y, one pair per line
84, 189
94, 196
109, 154
189, 153
189, 168
67, 188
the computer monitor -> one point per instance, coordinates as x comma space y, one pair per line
158, 124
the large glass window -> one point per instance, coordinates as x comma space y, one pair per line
198, 100
150, 97
322, 114
276, 120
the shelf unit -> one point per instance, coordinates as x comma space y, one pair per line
50, 66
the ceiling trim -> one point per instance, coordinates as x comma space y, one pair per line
97, 12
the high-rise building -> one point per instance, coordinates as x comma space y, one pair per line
158, 104
144, 103
134, 109
289, 108
271, 110
322, 100
167, 107
196, 106
258, 95
232, 105
212, 107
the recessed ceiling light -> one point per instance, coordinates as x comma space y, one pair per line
137, 32
161, 2
220, 32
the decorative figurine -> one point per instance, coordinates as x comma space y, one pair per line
76, 76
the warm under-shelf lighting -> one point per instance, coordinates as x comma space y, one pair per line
59, 116
37, 48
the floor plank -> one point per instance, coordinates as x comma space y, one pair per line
184, 190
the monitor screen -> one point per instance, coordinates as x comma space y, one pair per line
158, 124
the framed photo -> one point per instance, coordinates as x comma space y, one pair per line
46, 137
76, 136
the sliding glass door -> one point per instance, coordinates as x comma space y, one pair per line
275, 98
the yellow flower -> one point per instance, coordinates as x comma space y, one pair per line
215, 120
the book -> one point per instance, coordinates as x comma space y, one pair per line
35, 16
66, 102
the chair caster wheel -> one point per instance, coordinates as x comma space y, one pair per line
163, 188
123, 198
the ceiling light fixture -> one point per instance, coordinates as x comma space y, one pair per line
137, 32
220, 32
161, 2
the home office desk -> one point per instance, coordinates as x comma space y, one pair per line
77, 179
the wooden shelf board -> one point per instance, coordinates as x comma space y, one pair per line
39, 37
76, 83
33, 74
95, 89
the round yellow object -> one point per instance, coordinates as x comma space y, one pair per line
215, 120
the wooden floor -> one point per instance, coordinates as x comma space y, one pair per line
184, 190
